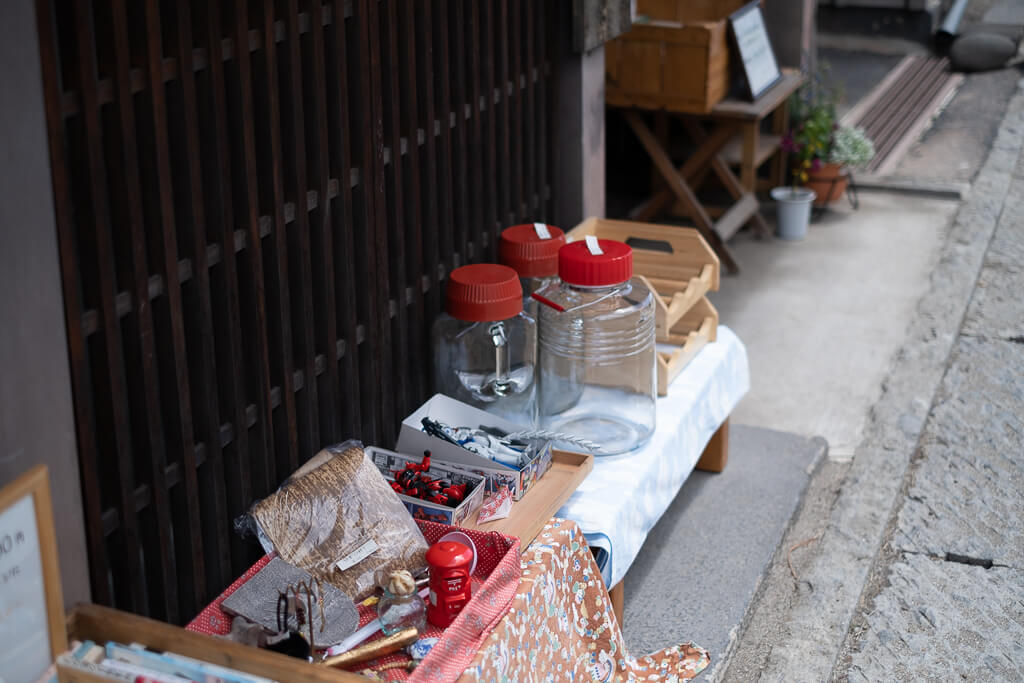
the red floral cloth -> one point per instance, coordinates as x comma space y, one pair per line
561, 626
544, 616
496, 580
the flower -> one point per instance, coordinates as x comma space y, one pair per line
788, 144
811, 137
852, 147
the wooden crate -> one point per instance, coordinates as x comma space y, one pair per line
676, 261
678, 61
100, 624
697, 328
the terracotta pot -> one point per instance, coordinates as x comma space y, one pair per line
828, 182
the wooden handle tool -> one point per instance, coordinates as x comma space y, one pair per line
377, 648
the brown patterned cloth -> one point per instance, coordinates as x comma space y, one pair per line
561, 626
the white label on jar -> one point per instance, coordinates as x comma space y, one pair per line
542, 231
357, 555
593, 245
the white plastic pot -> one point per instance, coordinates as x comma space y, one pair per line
793, 207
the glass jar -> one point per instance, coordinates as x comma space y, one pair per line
531, 249
485, 345
598, 367
398, 611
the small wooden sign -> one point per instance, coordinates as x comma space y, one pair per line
760, 70
31, 603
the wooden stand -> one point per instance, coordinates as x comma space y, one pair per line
715, 135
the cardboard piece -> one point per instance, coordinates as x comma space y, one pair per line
389, 461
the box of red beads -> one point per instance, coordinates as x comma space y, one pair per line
430, 490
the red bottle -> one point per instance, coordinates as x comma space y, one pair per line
450, 584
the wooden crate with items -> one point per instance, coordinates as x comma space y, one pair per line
343, 586
675, 57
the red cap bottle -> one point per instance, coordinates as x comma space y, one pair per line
578, 265
524, 249
484, 292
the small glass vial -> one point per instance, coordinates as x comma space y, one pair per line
531, 249
598, 363
485, 345
401, 606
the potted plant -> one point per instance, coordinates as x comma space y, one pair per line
828, 174
805, 142
823, 150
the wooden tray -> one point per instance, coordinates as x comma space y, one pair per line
676, 261
541, 502
697, 328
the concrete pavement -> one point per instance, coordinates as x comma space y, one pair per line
946, 596
916, 574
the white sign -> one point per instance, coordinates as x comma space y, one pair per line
25, 652
755, 49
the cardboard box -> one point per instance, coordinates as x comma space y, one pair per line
412, 439
389, 461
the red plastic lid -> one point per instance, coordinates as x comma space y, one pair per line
578, 266
484, 291
522, 248
448, 554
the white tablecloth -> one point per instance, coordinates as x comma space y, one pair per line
625, 495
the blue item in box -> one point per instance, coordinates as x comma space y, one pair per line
441, 408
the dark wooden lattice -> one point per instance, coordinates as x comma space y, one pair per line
257, 204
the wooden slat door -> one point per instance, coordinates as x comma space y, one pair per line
258, 203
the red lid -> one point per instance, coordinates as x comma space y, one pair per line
578, 266
484, 291
449, 554
531, 255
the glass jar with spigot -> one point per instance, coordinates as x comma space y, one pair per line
485, 345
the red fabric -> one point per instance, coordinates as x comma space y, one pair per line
496, 580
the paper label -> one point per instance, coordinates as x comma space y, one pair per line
542, 231
593, 245
357, 555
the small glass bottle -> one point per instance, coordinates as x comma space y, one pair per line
401, 606
598, 373
485, 345
531, 249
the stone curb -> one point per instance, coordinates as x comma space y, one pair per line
808, 647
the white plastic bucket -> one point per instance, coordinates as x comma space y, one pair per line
793, 207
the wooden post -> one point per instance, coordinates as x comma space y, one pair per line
617, 596
716, 453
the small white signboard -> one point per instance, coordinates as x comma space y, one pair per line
755, 50
30, 595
